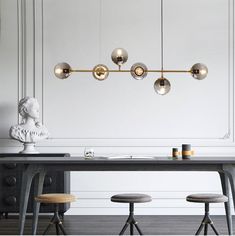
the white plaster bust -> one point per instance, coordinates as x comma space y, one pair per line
30, 130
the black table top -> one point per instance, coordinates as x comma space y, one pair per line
63, 158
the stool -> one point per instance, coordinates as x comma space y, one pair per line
207, 198
131, 198
55, 198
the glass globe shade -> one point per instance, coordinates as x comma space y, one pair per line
119, 56
199, 71
162, 86
62, 70
100, 72
139, 71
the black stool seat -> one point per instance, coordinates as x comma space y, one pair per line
207, 198
131, 198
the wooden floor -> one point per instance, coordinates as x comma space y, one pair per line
111, 225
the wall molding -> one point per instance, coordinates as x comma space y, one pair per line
30, 46
226, 140
21, 66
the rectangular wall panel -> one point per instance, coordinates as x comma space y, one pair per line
199, 31
121, 107
9, 66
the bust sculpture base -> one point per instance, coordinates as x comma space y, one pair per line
29, 148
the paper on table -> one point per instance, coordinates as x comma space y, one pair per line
129, 157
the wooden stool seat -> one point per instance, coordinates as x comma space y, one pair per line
55, 198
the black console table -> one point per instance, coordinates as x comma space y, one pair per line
10, 182
37, 167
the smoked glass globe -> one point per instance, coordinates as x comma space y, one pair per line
139, 71
162, 86
199, 71
119, 56
62, 70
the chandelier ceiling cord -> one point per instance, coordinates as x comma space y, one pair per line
138, 70
162, 85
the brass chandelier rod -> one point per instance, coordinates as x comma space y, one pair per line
128, 71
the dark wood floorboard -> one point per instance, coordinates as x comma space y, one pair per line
111, 225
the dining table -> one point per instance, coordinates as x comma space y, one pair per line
35, 168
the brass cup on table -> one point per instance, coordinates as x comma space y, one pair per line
186, 151
175, 153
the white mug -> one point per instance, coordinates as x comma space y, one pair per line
89, 153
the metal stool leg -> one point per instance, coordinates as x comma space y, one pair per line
205, 229
47, 229
138, 229
214, 229
131, 229
124, 229
57, 229
199, 229
206, 221
62, 228
131, 218
131, 221
50, 224
56, 221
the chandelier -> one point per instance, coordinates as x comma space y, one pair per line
138, 70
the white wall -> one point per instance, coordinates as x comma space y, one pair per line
121, 115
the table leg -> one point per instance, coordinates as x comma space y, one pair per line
227, 205
229, 170
38, 187
27, 176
